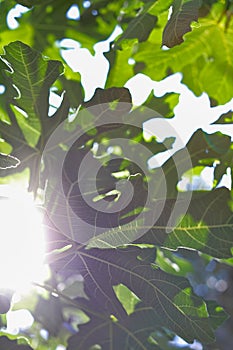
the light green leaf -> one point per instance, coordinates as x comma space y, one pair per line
30, 132
159, 6
128, 299
204, 58
120, 70
32, 77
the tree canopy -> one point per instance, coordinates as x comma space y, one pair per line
140, 257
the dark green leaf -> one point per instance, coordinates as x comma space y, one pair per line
49, 314
183, 13
132, 333
199, 229
225, 118
7, 161
30, 3
169, 296
163, 105
8, 344
139, 28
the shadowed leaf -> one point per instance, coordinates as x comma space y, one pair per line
225, 118
139, 28
183, 13
169, 296
8, 344
7, 161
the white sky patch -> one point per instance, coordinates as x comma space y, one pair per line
226, 180
2, 89
18, 320
55, 101
73, 13
103, 46
190, 114
140, 87
181, 343
93, 69
60, 347
22, 241
71, 44
15, 13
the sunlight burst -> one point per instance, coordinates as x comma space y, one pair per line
22, 242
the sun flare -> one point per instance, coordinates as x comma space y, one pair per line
21, 241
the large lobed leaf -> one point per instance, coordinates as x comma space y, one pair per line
168, 298
32, 76
132, 333
193, 225
204, 57
198, 229
207, 227
29, 126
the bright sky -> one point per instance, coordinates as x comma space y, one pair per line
22, 240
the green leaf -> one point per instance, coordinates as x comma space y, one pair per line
217, 314
183, 13
206, 64
7, 161
120, 70
133, 333
163, 105
118, 236
5, 147
199, 229
126, 297
30, 127
32, 76
139, 28
49, 23
170, 262
6, 343
225, 118
46, 308
160, 6
170, 297
30, 3
31, 133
